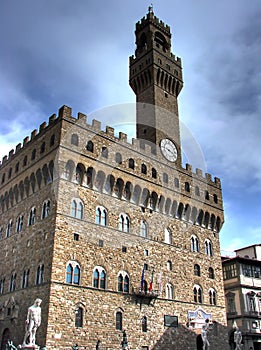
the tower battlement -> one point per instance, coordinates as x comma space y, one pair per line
151, 18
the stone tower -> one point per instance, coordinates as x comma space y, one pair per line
113, 235
156, 79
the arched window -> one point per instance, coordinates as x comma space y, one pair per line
169, 265
42, 149
12, 283
206, 195
194, 244
208, 247
25, 279
46, 208
131, 163
168, 236
9, 228
143, 169
118, 158
169, 291
118, 320
101, 216
74, 139
197, 292
99, 278
104, 152
25, 161
79, 174
73, 273
40, 275
33, 155
89, 176
123, 282
143, 229
2, 285
197, 192
196, 270
77, 208
176, 182
212, 297
187, 187
144, 324
32, 216
124, 223
211, 273
165, 178
215, 197
52, 140
19, 223
69, 170
78, 316
154, 173
89, 146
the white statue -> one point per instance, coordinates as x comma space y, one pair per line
33, 321
238, 339
204, 336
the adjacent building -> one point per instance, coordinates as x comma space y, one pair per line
113, 235
242, 281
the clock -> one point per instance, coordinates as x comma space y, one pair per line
169, 150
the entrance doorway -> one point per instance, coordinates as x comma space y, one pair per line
199, 342
5, 337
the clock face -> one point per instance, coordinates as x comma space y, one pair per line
169, 150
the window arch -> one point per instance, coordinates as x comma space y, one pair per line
169, 265
9, 228
33, 155
68, 171
168, 236
197, 292
197, 192
187, 187
118, 158
123, 282
78, 316
12, 285
144, 169
124, 223
143, 229
80, 170
169, 291
19, 223
165, 178
52, 139
101, 216
99, 277
32, 216
131, 163
25, 278
104, 152
89, 146
118, 320
73, 273
211, 273
194, 243
77, 209
196, 270
208, 247
40, 275
212, 296
74, 139
144, 324
46, 208
154, 173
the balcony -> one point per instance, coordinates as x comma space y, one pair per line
147, 297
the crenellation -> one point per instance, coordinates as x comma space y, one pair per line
26, 140
82, 116
199, 172
65, 111
209, 177
33, 134
123, 136
189, 167
52, 118
42, 127
11, 153
4, 159
18, 147
109, 131
96, 125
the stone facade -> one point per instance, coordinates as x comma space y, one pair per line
113, 237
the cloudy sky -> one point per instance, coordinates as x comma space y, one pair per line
56, 52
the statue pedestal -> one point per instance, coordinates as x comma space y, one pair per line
30, 347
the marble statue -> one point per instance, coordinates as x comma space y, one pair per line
238, 339
33, 321
204, 336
